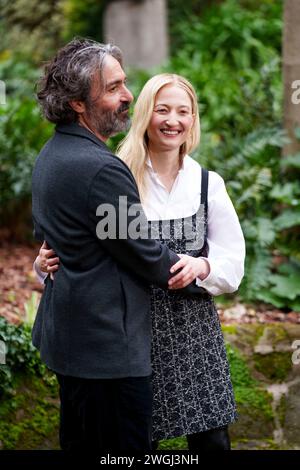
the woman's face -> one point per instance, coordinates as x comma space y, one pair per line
171, 119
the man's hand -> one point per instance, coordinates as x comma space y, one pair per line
191, 268
46, 259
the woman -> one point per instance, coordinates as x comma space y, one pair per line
189, 209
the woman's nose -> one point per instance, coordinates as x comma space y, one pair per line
172, 121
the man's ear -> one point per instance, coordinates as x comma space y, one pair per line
78, 106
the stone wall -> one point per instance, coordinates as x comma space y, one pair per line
266, 384
267, 351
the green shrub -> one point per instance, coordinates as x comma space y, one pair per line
21, 355
29, 408
232, 55
22, 132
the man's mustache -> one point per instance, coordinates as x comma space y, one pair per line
124, 107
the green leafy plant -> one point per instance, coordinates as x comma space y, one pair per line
31, 307
232, 55
231, 52
21, 355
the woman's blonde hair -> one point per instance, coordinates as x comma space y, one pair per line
133, 148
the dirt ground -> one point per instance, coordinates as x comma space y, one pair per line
18, 282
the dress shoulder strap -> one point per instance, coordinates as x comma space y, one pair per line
204, 186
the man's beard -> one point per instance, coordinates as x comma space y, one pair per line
107, 122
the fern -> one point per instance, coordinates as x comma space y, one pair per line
286, 193
265, 295
287, 287
256, 142
257, 273
291, 161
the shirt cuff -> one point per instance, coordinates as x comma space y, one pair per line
210, 282
41, 276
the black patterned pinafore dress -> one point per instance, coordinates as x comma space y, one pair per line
192, 389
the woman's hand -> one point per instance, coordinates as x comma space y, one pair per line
46, 259
191, 268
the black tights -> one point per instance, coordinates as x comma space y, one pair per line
213, 439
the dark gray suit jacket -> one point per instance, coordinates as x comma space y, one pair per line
93, 320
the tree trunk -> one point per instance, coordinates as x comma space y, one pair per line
139, 28
291, 73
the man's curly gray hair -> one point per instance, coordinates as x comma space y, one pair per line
68, 76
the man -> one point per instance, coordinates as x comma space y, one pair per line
93, 326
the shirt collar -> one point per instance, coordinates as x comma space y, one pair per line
149, 164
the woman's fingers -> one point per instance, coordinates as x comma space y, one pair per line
185, 276
42, 261
52, 264
48, 261
48, 253
52, 261
183, 282
178, 277
52, 269
178, 265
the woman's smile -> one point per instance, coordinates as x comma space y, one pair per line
170, 133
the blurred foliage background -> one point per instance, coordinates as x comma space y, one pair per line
231, 52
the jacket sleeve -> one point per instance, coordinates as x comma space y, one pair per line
117, 218
38, 233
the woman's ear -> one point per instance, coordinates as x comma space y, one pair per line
77, 106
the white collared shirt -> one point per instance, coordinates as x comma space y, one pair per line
225, 240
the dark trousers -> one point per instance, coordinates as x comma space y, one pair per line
213, 439
102, 415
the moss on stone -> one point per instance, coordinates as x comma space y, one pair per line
249, 335
255, 444
259, 331
281, 410
229, 329
173, 444
279, 334
29, 417
248, 392
275, 333
275, 366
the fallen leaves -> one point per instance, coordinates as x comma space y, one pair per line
17, 280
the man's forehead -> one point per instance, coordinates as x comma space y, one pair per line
112, 70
